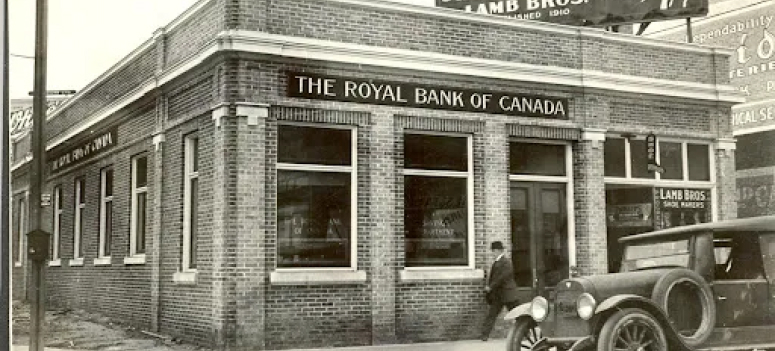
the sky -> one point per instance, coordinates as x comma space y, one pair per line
86, 37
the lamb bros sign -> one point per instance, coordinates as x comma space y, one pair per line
369, 91
584, 12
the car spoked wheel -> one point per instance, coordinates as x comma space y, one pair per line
632, 329
525, 335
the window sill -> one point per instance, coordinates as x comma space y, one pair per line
410, 274
76, 262
323, 276
185, 278
102, 261
137, 259
55, 263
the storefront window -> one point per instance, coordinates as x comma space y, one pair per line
314, 197
614, 157
638, 159
670, 158
537, 159
699, 162
436, 214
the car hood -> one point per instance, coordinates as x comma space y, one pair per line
606, 285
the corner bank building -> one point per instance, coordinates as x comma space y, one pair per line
288, 174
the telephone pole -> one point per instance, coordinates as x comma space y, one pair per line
37, 239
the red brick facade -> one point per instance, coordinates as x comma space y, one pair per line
218, 75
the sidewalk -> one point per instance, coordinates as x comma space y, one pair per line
466, 345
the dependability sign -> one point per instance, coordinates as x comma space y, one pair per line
370, 91
584, 12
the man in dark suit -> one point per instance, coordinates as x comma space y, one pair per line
501, 289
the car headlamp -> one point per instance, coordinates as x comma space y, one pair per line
585, 306
539, 309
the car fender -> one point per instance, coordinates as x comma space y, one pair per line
628, 300
522, 310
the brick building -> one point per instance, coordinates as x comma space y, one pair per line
269, 175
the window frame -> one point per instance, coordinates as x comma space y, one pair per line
104, 258
567, 179
189, 174
352, 169
56, 250
22, 228
657, 181
134, 256
79, 206
469, 176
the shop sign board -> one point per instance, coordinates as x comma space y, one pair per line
756, 196
83, 151
370, 91
651, 154
681, 206
584, 12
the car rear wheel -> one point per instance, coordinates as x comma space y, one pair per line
631, 329
524, 335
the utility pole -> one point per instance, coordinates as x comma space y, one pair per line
37, 239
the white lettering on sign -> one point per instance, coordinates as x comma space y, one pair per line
732, 28
75, 155
763, 114
523, 104
438, 97
324, 86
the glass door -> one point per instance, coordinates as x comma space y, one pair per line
539, 236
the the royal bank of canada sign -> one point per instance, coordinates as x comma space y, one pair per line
584, 12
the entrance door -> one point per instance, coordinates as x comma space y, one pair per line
539, 236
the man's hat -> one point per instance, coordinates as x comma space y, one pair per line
496, 245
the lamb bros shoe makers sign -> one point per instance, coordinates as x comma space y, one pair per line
369, 91
584, 12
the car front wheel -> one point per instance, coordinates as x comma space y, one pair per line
524, 335
631, 329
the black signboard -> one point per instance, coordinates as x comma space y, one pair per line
651, 154
584, 12
370, 91
675, 207
80, 152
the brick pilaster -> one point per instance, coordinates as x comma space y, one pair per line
382, 235
250, 228
223, 154
589, 193
157, 219
726, 186
495, 148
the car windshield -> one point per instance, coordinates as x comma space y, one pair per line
661, 254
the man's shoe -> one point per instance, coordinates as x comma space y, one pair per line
484, 338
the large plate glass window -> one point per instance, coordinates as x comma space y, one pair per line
80, 205
316, 196
57, 213
191, 202
437, 199
106, 211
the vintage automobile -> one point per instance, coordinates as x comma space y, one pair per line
685, 288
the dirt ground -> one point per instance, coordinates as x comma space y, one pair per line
74, 329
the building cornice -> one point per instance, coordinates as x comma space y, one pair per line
435, 63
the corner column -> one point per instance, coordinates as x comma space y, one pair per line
156, 224
251, 272
224, 144
589, 201
726, 184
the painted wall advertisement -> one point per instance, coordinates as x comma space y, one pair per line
675, 207
584, 12
755, 196
750, 33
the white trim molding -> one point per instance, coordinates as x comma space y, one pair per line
218, 113
441, 273
595, 135
430, 62
726, 144
158, 140
252, 111
322, 276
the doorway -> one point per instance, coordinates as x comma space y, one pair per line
539, 236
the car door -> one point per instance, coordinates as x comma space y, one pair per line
767, 241
739, 285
